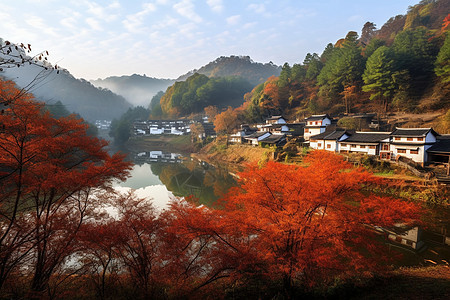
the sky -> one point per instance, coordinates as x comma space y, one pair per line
167, 38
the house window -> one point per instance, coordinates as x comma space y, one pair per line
353, 146
420, 139
397, 138
328, 146
315, 123
344, 145
401, 150
410, 139
319, 145
362, 146
372, 147
414, 151
386, 147
306, 130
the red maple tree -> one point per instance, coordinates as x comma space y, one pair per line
49, 169
301, 225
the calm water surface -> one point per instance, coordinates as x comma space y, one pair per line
162, 176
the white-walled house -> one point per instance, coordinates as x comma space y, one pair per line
256, 137
328, 140
316, 124
276, 120
238, 137
412, 143
275, 128
364, 142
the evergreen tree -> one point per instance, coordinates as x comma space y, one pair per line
378, 76
343, 68
442, 64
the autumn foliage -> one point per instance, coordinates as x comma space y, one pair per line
64, 233
49, 170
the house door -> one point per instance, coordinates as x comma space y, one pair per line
385, 155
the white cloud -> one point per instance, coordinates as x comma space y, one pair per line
104, 13
148, 7
188, 30
257, 7
215, 5
233, 20
186, 9
135, 22
356, 18
114, 5
168, 21
40, 25
69, 22
94, 24
249, 25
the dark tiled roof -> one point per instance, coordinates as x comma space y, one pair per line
412, 132
296, 129
317, 117
444, 137
276, 118
273, 139
255, 135
296, 125
367, 137
442, 146
329, 135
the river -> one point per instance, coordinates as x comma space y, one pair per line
162, 176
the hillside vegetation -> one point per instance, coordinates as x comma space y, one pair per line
404, 66
198, 92
242, 66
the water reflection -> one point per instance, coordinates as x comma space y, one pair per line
161, 176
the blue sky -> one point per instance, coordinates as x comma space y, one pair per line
167, 38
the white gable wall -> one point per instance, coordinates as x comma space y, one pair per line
430, 138
313, 131
408, 151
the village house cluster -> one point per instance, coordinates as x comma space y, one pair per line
421, 145
177, 127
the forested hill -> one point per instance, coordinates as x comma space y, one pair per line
197, 92
404, 66
137, 89
242, 66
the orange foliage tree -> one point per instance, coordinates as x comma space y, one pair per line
299, 225
226, 122
49, 169
288, 226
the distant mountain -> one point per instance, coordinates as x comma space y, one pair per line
137, 89
242, 66
77, 95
